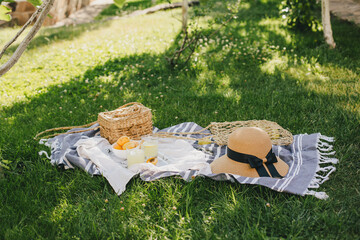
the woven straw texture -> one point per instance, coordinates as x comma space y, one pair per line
278, 135
133, 120
220, 132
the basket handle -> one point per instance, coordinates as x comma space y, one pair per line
128, 104
64, 128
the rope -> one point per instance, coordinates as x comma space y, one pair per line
65, 128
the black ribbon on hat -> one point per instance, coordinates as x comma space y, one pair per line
256, 162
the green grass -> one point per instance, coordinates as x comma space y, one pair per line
255, 68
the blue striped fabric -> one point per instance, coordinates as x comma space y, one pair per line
308, 158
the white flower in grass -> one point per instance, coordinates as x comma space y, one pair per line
174, 208
70, 112
60, 108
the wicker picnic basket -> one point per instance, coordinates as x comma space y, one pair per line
220, 131
132, 119
277, 134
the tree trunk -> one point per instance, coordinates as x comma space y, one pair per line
325, 13
63, 9
185, 10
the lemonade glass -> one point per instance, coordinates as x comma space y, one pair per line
150, 146
135, 156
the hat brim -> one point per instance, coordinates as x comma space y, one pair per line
226, 165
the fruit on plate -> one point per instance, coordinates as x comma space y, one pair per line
152, 160
117, 147
130, 145
120, 143
122, 140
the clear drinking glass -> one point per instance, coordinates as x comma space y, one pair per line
134, 156
150, 146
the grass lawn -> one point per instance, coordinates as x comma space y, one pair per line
254, 68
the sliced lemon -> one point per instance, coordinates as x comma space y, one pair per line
204, 141
152, 160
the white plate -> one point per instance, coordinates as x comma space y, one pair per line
118, 153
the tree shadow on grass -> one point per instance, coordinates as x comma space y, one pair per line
226, 87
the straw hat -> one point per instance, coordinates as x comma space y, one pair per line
249, 154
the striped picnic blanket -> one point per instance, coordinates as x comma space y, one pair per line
310, 159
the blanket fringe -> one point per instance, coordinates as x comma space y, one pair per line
44, 153
325, 166
319, 195
44, 142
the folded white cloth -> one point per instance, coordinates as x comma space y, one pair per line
174, 156
178, 151
97, 149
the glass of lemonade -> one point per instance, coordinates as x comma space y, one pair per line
134, 156
150, 146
